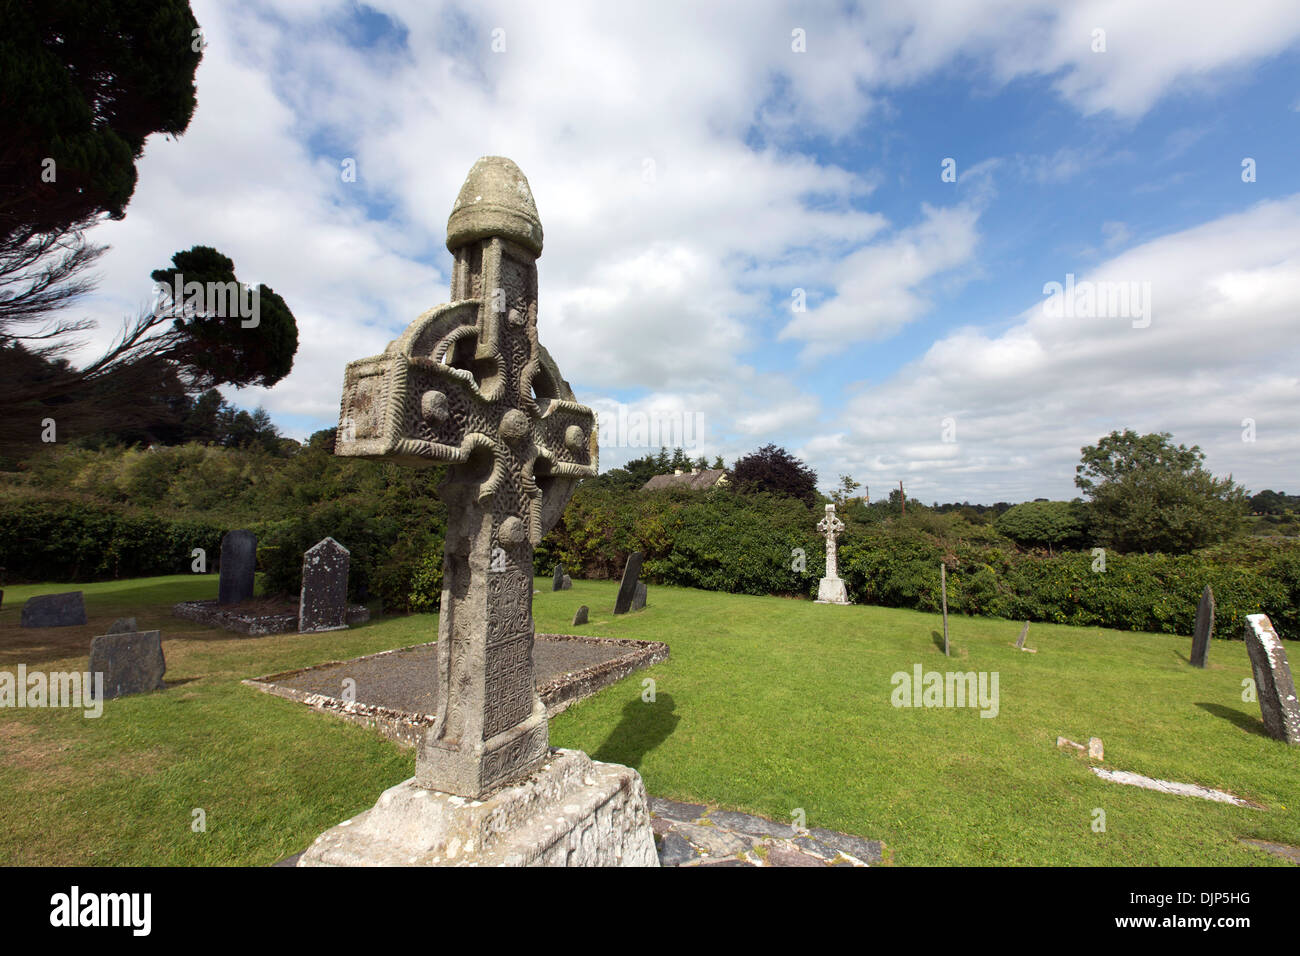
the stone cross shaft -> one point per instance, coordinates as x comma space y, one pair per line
468, 385
830, 526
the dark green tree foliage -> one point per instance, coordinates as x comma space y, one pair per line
1147, 494
219, 348
62, 541
84, 83
776, 471
1049, 524
1269, 502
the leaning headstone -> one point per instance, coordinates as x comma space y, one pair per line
323, 601
1204, 629
627, 590
1274, 685
557, 578
469, 385
238, 565
581, 616
1024, 632
831, 590
638, 599
566, 583
131, 662
943, 589
54, 610
123, 625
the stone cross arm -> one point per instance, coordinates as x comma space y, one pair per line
438, 394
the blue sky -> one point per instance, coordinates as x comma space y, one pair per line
693, 170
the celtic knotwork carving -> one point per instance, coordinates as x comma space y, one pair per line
469, 385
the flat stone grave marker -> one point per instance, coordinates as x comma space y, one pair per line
123, 625
557, 578
627, 590
1204, 629
1274, 686
638, 599
323, 601
131, 662
566, 583
54, 610
580, 617
238, 565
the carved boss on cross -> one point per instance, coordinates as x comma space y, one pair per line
468, 384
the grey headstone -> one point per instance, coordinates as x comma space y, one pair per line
557, 578
131, 662
123, 625
238, 564
1024, 632
54, 610
323, 601
1274, 685
638, 598
627, 590
1204, 628
581, 616
566, 583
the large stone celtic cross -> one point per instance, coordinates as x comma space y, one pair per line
468, 384
830, 527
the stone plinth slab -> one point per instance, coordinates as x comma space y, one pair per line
572, 811
832, 591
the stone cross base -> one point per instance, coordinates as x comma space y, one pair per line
832, 591
573, 811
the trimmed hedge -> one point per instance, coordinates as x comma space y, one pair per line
57, 541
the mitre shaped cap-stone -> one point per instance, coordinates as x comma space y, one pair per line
495, 201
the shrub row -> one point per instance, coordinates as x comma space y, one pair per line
60, 541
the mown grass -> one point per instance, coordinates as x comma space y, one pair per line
767, 705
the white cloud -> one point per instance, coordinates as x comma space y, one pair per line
1222, 346
879, 287
658, 284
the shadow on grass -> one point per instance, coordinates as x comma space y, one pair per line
1246, 722
938, 641
643, 728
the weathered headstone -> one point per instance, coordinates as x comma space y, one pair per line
131, 662
123, 625
638, 598
627, 590
238, 565
1274, 685
943, 590
1204, 629
323, 600
831, 590
557, 578
566, 583
468, 385
1024, 632
581, 616
54, 610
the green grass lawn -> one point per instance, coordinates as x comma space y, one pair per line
766, 705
